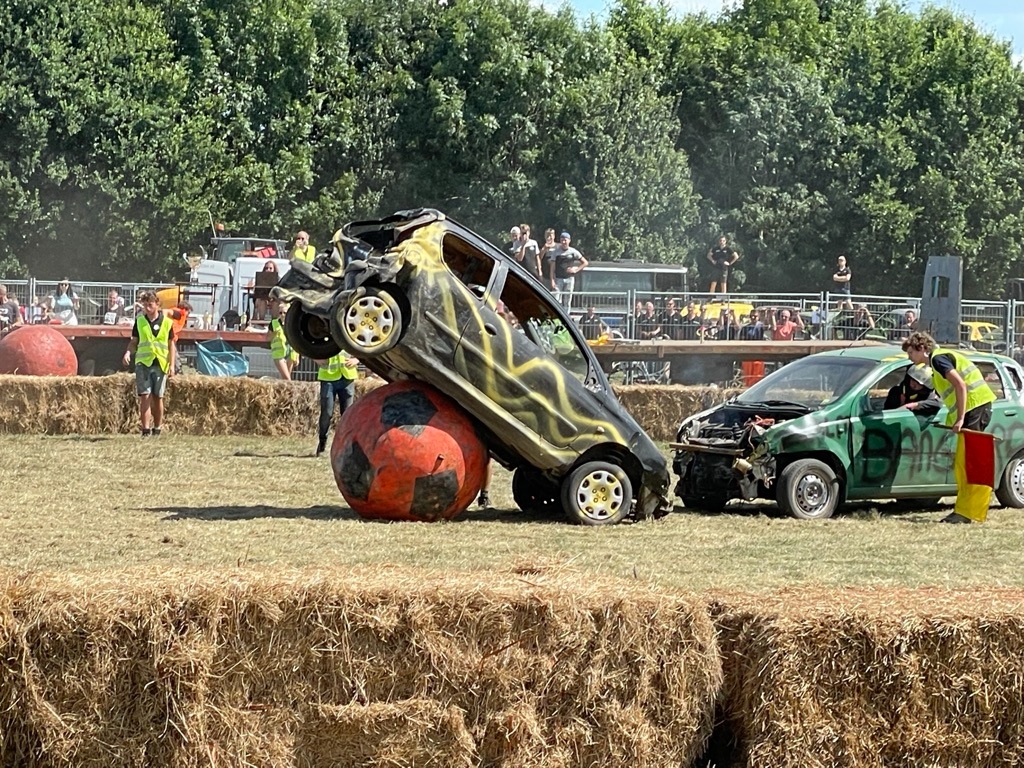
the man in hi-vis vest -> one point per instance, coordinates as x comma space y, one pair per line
153, 344
337, 377
962, 389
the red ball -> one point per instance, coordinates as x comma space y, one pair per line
406, 452
37, 350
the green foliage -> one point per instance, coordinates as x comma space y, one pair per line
802, 129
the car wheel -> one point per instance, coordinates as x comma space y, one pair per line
706, 503
597, 493
370, 324
309, 334
533, 492
1011, 485
809, 490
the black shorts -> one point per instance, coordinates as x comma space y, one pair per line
978, 418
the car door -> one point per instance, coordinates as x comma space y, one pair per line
897, 450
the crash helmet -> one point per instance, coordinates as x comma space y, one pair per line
921, 373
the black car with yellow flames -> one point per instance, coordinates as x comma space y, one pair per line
417, 295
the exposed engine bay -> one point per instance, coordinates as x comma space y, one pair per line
720, 453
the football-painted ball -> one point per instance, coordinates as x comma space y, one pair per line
404, 451
37, 350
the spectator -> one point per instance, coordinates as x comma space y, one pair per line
841, 279
648, 326
302, 250
530, 257
10, 312
114, 313
36, 312
782, 324
672, 321
692, 321
515, 244
155, 349
565, 262
728, 327
261, 292
336, 377
546, 250
62, 304
722, 257
907, 326
591, 325
753, 329
862, 321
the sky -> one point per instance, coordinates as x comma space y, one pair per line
1003, 19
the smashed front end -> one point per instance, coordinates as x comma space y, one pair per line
723, 453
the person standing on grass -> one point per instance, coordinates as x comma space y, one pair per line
284, 357
156, 351
962, 388
336, 376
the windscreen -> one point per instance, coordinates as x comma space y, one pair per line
810, 382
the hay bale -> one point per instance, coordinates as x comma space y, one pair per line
874, 677
660, 408
196, 405
262, 668
417, 732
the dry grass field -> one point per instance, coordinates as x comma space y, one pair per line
71, 502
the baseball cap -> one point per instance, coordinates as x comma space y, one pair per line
565, 234
514, 231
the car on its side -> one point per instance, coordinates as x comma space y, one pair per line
417, 295
814, 434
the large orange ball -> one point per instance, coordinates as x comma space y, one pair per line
406, 452
37, 350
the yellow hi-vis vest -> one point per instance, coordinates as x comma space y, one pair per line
336, 369
279, 347
978, 392
305, 253
154, 347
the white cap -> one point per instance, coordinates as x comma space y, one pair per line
514, 231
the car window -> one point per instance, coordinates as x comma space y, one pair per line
992, 378
468, 264
541, 324
1015, 378
811, 381
879, 391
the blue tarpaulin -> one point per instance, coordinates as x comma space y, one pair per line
218, 358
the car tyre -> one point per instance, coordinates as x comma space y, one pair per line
1011, 485
533, 492
369, 324
309, 334
597, 493
809, 490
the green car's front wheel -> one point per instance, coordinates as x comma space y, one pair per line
1010, 491
368, 325
808, 489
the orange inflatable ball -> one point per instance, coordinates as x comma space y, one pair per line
406, 452
37, 350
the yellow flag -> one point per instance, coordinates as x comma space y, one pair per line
971, 500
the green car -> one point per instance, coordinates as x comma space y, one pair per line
814, 434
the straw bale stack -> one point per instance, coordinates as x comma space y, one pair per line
366, 667
878, 677
660, 408
208, 405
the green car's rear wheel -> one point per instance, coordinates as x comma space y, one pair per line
1010, 491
